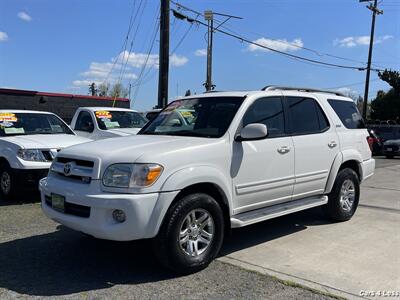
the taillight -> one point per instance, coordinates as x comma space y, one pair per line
370, 141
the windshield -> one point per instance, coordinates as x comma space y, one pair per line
202, 117
31, 123
388, 132
119, 119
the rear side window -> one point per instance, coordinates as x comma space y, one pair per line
348, 113
306, 116
268, 111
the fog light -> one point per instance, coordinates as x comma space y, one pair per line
86, 179
119, 215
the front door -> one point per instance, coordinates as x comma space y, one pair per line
263, 170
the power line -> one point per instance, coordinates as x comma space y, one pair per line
232, 33
123, 69
124, 43
350, 84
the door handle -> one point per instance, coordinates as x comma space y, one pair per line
332, 144
283, 149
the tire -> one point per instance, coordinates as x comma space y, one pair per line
342, 204
8, 188
178, 256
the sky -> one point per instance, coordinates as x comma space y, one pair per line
63, 46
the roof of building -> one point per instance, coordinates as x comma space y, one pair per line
97, 108
47, 94
22, 111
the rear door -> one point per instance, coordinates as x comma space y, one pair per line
315, 142
353, 134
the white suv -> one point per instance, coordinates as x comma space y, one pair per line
29, 141
242, 158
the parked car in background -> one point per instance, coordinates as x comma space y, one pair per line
386, 132
238, 158
150, 115
97, 123
374, 142
388, 135
391, 148
29, 141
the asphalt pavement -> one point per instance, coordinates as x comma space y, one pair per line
348, 258
39, 258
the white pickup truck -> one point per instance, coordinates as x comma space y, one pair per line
97, 123
239, 158
29, 141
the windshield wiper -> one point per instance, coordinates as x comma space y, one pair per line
188, 133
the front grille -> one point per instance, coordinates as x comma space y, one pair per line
395, 148
72, 208
50, 154
77, 169
78, 162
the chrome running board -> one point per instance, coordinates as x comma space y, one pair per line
274, 211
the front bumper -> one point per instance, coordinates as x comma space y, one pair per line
391, 150
144, 212
29, 178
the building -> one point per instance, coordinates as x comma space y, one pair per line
64, 105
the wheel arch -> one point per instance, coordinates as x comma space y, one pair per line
349, 159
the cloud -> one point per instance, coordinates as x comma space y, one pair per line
280, 45
200, 52
24, 16
3, 36
178, 60
363, 40
125, 62
137, 60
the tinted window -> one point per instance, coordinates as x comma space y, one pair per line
202, 117
348, 113
119, 119
31, 123
306, 116
268, 111
84, 122
387, 132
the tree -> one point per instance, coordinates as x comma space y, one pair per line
118, 91
386, 105
92, 89
103, 89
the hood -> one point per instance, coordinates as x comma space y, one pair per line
123, 131
46, 141
392, 142
131, 148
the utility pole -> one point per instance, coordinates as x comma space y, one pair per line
375, 11
129, 92
163, 55
208, 16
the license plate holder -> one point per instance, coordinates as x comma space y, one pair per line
58, 202
389, 149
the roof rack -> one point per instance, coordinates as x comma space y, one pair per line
304, 89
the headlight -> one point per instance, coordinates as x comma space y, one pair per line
31, 155
131, 175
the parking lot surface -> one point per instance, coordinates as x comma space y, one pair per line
39, 258
343, 258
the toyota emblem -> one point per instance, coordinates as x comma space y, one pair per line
67, 169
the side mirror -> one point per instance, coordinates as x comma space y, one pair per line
251, 132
